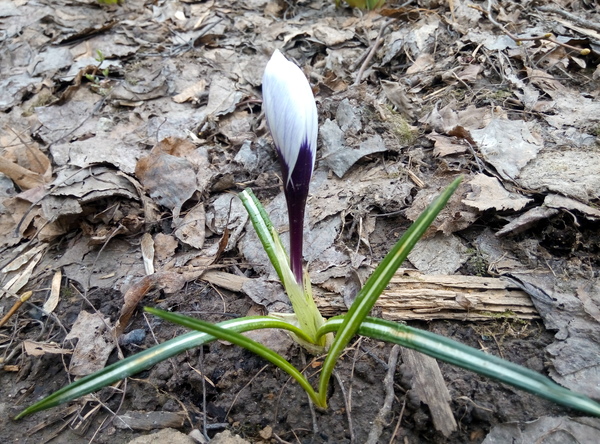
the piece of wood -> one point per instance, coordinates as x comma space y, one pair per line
137, 420
429, 387
415, 296
229, 281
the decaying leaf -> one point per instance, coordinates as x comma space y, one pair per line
23, 257
24, 162
76, 187
571, 172
508, 145
223, 96
169, 175
191, 92
164, 246
33, 348
455, 216
445, 146
146, 84
545, 429
338, 156
488, 193
132, 298
147, 246
95, 343
570, 308
22, 277
568, 107
526, 220
562, 202
426, 255
54, 297
191, 228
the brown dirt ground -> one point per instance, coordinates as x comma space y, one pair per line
243, 393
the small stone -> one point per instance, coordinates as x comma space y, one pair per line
165, 435
227, 438
266, 433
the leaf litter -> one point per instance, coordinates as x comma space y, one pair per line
126, 130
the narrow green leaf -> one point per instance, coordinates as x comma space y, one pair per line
377, 282
242, 341
300, 296
264, 229
470, 358
147, 358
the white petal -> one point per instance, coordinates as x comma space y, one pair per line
290, 108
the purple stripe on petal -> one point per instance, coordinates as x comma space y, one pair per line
296, 193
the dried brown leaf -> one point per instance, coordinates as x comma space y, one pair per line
34, 348
147, 246
52, 301
24, 178
164, 246
94, 346
132, 298
446, 146
191, 92
192, 227
169, 179
487, 193
455, 216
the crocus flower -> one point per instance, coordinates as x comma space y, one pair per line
291, 113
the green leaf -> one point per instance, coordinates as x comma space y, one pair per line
243, 341
146, 359
99, 56
470, 358
377, 282
307, 313
265, 231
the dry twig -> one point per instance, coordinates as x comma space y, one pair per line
548, 37
572, 17
388, 382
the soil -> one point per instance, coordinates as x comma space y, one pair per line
245, 394
223, 387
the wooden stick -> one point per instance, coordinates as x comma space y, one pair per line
415, 296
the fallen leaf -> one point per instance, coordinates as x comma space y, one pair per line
147, 246
337, 155
545, 429
33, 348
446, 146
163, 162
191, 93
570, 172
131, 299
566, 203
455, 216
223, 96
21, 278
94, 346
426, 255
508, 145
424, 62
191, 228
164, 246
54, 298
22, 177
526, 220
487, 193
23, 258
